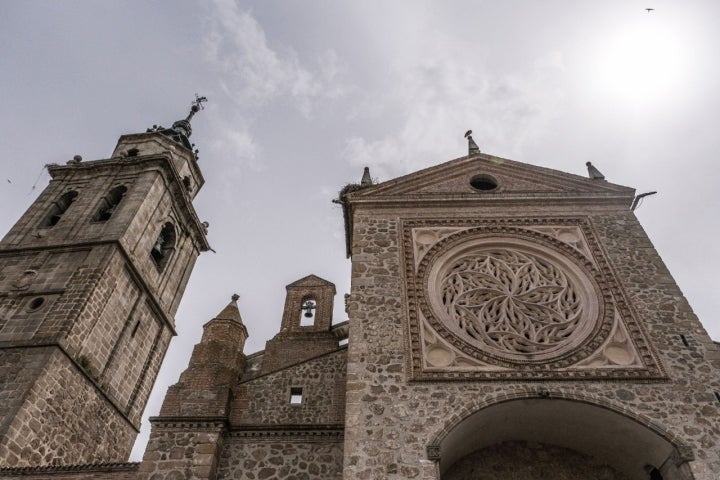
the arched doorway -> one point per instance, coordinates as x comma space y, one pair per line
540, 431
532, 461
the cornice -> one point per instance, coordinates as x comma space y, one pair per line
306, 432
64, 469
462, 200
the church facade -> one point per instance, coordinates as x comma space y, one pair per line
504, 321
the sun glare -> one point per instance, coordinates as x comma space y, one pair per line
640, 63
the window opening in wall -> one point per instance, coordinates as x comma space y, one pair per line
653, 472
35, 304
717, 395
484, 183
164, 245
307, 317
59, 207
684, 340
135, 329
342, 342
296, 395
109, 204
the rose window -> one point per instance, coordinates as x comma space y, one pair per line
513, 299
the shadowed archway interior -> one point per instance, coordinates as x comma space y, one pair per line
596, 433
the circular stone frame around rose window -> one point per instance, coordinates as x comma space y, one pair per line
514, 300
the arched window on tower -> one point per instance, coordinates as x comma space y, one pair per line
109, 204
59, 207
307, 312
164, 246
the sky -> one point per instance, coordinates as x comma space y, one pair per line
303, 95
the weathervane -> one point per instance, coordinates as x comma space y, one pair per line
197, 105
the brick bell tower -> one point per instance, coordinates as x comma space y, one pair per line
90, 279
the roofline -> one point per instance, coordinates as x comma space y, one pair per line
550, 172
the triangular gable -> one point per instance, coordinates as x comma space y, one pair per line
311, 281
453, 178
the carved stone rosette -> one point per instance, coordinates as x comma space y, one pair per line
518, 299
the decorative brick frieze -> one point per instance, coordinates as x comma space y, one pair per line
92, 471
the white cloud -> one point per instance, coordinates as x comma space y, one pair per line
237, 144
253, 73
442, 96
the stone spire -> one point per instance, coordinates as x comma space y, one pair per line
214, 365
183, 126
181, 129
231, 313
366, 180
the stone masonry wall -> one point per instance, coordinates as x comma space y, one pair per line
265, 400
254, 458
19, 367
184, 452
64, 421
127, 367
294, 347
391, 421
118, 337
59, 279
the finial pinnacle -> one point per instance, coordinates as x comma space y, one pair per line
366, 180
593, 172
235, 297
472, 146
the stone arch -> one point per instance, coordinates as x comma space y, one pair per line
109, 203
626, 439
59, 207
164, 246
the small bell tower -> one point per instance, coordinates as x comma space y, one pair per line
305, 330
90, 279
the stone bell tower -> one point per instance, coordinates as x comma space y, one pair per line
90, 279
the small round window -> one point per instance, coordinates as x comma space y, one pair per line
35, 304
483, 183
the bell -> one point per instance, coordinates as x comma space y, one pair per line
309, 306
157, 250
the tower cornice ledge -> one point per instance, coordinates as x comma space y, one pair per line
155, 143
